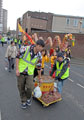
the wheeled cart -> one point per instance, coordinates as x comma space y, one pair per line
50, 94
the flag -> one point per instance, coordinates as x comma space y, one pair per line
21, 30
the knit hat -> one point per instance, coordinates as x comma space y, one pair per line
60, 54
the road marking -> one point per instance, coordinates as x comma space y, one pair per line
77, 73
0, 114
80, 85
77, 64
71, 71
70, 80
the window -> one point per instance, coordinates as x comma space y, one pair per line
68, 21
83, 23
26, 30
75, 22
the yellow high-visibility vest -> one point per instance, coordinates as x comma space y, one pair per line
59, 68
27, 62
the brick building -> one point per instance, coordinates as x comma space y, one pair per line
17, 30
37, 21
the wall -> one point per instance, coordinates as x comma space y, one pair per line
77, 50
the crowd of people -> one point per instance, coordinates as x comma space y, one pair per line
30, 59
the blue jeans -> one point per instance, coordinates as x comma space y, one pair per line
19, 46
59, 86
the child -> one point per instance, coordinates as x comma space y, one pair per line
45, 58
67, 58
53, 58
68, 51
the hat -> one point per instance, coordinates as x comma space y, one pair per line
60, 54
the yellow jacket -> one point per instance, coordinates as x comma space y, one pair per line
53, 59
44, 59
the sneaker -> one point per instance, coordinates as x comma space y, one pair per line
9, 70
29, 102
13, 67
6, 68
24, 105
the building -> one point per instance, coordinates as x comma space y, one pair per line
1, 17
37, 21
67, 24
49, 22
18, 33
4, 21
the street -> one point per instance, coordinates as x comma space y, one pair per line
70, 108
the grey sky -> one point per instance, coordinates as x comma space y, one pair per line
16, 8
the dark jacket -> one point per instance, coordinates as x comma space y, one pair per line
62, 71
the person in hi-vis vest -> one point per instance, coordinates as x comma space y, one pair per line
2, 41
27, 59
61, 66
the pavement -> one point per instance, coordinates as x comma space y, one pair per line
70, 108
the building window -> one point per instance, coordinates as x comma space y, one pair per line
68, 21
26, 30
75, 22
82, 23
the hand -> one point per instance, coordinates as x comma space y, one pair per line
56, 78
17, 73
41, 70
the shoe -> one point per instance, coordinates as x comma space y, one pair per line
6, 68
24, 105
13, 67
29, 102
9, 70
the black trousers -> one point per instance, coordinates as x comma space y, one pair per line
11, 63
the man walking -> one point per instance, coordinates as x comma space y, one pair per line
11, 55
27, 59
